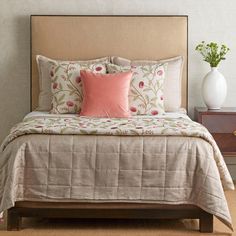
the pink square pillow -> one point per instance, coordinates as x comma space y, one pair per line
105, 95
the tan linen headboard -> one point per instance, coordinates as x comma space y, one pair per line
87, 37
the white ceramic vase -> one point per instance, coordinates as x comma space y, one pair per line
214, 89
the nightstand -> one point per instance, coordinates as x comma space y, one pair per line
222, 125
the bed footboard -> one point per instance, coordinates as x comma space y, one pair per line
107, 210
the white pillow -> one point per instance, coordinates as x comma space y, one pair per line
173, 79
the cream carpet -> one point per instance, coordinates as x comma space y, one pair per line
68, 227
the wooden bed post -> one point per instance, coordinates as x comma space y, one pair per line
206, 222
13, 219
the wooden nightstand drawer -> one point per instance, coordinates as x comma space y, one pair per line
220, 123
226, 142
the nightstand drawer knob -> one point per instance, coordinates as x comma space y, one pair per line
234, 132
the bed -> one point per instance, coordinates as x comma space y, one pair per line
102, 172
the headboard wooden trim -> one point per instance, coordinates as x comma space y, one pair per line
102, 19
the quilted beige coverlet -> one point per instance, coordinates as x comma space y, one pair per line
166, 169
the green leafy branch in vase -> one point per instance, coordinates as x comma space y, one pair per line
212, 52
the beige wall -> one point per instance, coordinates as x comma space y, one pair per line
208, 20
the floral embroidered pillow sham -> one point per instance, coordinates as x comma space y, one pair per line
66, 86
44, 67
172, 85
146, 88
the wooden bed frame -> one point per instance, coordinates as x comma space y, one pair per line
86, 37
107, 210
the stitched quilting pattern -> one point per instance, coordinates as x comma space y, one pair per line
132, 126
167, 170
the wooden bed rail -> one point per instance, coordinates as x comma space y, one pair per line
107, 210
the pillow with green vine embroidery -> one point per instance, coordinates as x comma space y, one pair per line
66, 86
146, 88
44, 65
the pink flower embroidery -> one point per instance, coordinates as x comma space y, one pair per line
141, 84
69, 103
72, 68
63, 77
54, 86
78, 79
160, 72
51, 73
154, 113
133, 109
99, 68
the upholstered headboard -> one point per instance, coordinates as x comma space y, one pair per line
87, 37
